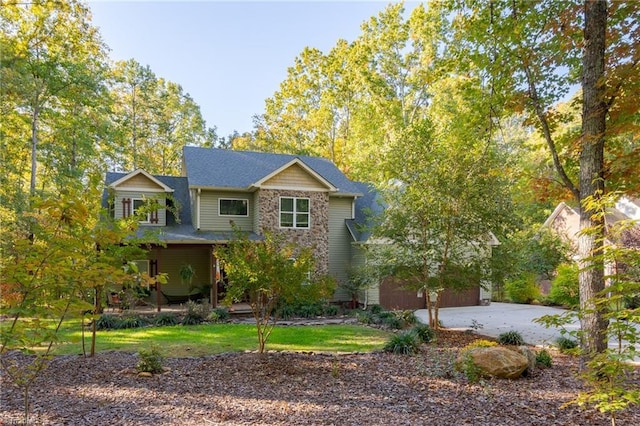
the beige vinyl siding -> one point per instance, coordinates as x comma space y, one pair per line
294, 177
210, 220
172, 260
120, 195
139, 182
339, 242
371, 296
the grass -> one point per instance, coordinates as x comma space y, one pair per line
209, 339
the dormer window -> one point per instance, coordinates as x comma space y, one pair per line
139, 207
138, 204
294, 212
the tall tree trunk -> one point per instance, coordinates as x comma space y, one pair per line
34, 146
594, 112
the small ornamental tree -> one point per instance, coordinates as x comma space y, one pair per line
269, 272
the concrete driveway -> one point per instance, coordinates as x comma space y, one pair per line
498, 318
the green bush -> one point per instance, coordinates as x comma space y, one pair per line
424, 332
108, 322
407, 316
330, 310
197, 313
565, 288
511, 338
566, 344
166, 319
132, 321
375, 309
150, 361
218, 315
543, 359
393, 322
523, 289
405, 343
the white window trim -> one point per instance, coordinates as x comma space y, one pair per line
294, 213
133, 209
234, 215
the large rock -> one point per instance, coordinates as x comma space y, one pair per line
495, 361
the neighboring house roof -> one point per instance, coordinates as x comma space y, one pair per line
244, 170
566, 220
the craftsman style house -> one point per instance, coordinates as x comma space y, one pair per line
307, 198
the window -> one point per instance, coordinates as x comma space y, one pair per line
233, 207
294, 212
138, 204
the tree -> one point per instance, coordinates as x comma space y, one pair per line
448, 194
53, 66
57, 272
269, 272
154, 119
533, 53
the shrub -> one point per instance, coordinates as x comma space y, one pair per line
424, 332
565, 288
330, 310
132, 321
393, 322
218, 315
150, 361
469, 368
480, 343
405, 343
566, 344
523, 289
511, 338
543, 359
407, 316
108, 322
375, 309
196, 313
166, 319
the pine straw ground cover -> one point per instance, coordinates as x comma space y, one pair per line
300, 389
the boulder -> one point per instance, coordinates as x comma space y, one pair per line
495, 361
530, 354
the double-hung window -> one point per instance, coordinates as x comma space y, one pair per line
294, 212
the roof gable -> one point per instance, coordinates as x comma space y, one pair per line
295, 175
140, 180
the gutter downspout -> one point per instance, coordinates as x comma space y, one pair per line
198, 209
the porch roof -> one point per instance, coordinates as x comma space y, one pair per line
186, 234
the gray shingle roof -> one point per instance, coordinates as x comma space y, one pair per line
223, 168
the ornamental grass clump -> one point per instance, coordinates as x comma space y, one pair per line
404, 343
511, 338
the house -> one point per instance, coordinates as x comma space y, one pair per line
565, 222
307, 198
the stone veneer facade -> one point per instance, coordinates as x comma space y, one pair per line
316, 236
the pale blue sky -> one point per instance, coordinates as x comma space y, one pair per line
229, 56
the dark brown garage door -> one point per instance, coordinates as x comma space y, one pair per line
452, 299
394, 296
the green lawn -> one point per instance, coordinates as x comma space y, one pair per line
200, 340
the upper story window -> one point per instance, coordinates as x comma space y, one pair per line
233, 207
138, 204
294, 212
141, 208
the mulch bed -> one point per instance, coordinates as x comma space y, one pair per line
299, 388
